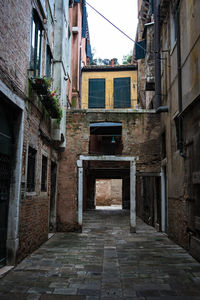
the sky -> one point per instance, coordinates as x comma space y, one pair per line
106, 41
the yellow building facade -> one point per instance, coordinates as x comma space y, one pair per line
111, 83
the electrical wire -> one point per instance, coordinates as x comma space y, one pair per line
115, 26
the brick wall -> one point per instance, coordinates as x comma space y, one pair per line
15, 40
15, 19
34, 207
139, 138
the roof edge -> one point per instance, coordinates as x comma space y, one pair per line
109, 68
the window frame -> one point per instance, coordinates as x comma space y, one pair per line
31, 170
44, 173
36, 51
48, 62
92, 95
119, 104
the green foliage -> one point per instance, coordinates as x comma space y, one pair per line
104, 62
126, 60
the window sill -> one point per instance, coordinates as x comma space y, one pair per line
30, 194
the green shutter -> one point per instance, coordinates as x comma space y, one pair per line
96, 93
140, 49
122, 92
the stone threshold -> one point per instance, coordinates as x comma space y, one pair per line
50, 235
4, 270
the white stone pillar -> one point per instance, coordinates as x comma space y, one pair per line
132, 196
80, 193
163, 199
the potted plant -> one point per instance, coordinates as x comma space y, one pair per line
41, 85
51, 103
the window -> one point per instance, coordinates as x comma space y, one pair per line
44, 174
36, 43
31, 169
105, 138
173, 30
96, 93
48, 62
51, 4
122, 92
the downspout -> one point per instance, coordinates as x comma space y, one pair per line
179, 72
158, 93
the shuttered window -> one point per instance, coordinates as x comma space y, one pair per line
96, 93
122, 92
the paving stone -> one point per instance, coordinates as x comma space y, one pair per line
62, 297
105, 262
65, 291
33, 297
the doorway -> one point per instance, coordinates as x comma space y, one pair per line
6, 138
105, 159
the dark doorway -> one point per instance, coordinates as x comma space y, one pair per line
105, 138
6, 140
52, 208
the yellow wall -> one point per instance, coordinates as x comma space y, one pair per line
109, 86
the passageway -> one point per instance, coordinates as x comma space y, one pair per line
105, 262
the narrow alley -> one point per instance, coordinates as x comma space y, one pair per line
82, 129
105, 262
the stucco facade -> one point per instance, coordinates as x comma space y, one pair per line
109, 74
177, 48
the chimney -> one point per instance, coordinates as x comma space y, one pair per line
112, 62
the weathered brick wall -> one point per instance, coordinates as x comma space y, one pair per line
108, 192
140, 137
15, 20
15, 40
34, 207
77, 137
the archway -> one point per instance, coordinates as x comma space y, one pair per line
107, 158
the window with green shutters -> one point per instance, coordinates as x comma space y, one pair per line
96, 93
122, 92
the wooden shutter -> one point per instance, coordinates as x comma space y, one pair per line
122, 92
96, 93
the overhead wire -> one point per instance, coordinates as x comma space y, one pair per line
115, 26
150, 52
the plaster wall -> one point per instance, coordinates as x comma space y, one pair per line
109, 86
178, 168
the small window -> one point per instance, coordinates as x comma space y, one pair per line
163, 145
48, 62
44, 174
36, 44
51, 4
31, 169
173, 30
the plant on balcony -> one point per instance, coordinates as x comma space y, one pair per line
51, 103
41, 85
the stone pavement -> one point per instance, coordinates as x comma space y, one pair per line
105, 262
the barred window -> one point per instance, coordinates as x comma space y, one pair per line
44, 174
31, 169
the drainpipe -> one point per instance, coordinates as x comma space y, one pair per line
158, 93
179, 72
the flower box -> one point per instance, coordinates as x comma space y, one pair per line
51, 104
40, 85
